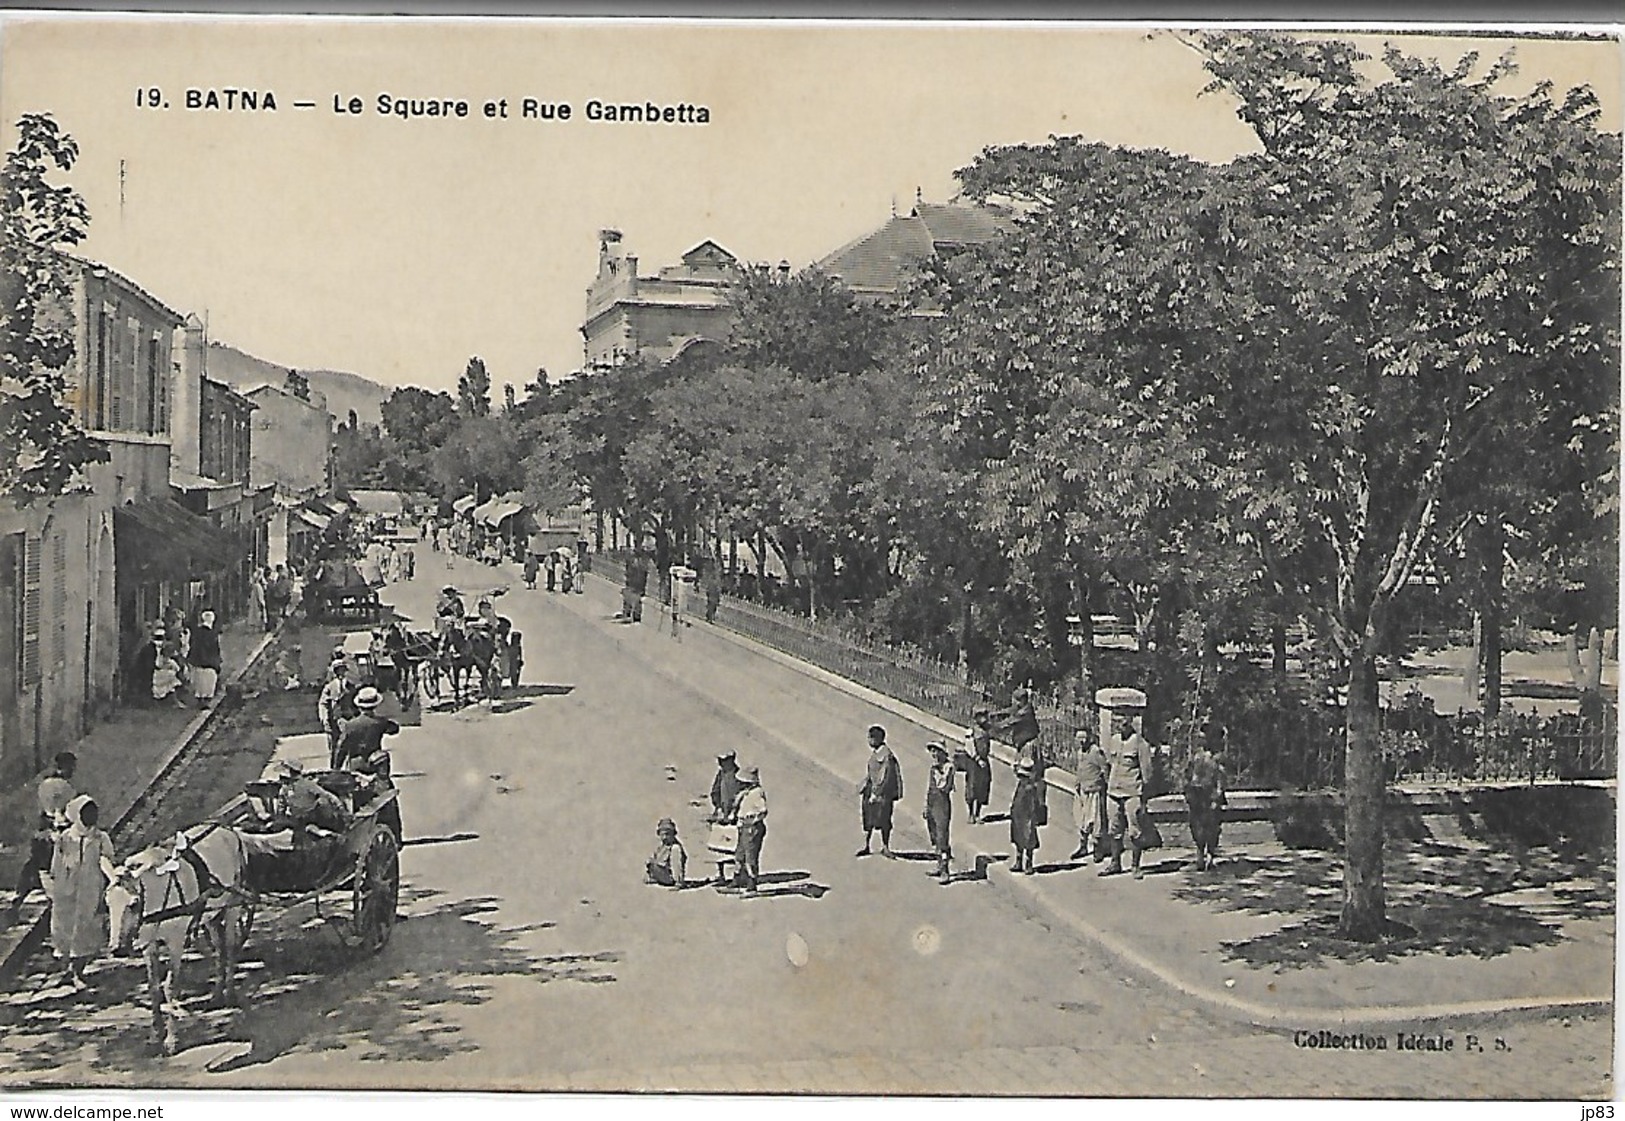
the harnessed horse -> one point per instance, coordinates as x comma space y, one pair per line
163, 895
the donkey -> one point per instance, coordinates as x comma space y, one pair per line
162, 895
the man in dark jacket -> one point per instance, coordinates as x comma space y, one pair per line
361, 741
203, 655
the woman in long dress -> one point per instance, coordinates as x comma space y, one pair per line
81, 868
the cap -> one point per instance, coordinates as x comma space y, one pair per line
368, 698
726, 756
749, 776
936, 748
665, 825
1024, 766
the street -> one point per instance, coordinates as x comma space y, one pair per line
531, 955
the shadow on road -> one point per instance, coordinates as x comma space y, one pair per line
300, 991
1447, 899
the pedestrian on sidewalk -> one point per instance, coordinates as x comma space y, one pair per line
979, 765
531, 567
668, 864
939, 807
1129, 764
203, 654
143, 664
55, 792
881, 790
551, 561
81, 868
1090, 806
713, 588
1205, 799
750, 811
1025, 805
166, 670
278, 594
256, 596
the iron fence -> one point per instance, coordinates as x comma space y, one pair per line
1297, 746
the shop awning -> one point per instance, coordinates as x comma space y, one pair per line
464, 504
485, 508
311, 517
501, 512
157, 539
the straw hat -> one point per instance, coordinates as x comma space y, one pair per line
368, 698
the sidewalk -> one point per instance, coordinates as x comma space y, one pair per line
1255, 939
118, 760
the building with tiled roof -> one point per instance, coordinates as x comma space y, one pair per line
656, 316
878, 264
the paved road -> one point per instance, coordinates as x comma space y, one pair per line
532, 955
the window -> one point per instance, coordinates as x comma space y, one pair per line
152, 385
59, 601
29, 647
104, 339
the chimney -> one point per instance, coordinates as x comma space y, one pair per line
186, 400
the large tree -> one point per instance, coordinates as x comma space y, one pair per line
45, 447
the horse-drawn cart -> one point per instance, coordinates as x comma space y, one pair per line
212, 879
356, 873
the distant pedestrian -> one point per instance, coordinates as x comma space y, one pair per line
1024, 816
55, 792
750, 811
1089, 808
939, 807
668, 864
409, 562
81, 868
1205, 799
551, 563
567, 570
513, 658
881, 790
1130, 766
979, 765
203, 655
724, 788
531, 567
278, 594
256, 596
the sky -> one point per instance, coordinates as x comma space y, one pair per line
397, 249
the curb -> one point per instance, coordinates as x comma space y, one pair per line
23, 948
1231, 1007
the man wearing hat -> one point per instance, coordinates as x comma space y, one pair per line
939, 806
724, 788
750, 811
360, 745
336, 704
1129, 767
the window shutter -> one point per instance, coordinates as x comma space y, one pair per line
31, 610
59, 602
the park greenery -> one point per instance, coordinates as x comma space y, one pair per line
1359, 380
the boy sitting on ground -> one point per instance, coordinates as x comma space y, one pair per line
668, 865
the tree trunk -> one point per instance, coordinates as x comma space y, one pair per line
1365, 907
1278, 653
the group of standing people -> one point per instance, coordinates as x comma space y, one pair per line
270, 592
559, 566
177, 659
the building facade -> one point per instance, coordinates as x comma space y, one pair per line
657, 316
292, 445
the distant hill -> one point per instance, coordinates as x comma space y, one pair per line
344, 391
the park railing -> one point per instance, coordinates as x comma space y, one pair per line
1299, 748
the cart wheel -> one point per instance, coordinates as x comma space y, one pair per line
375, 892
